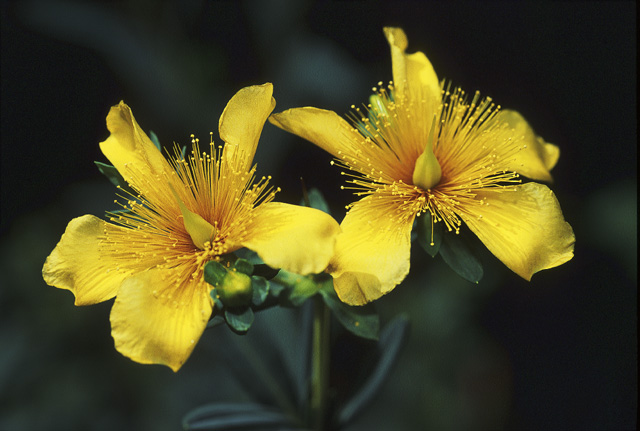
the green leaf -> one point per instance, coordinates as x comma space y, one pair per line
243, 266
114, 176
227, 416
239, 319
260, 290
362, 321
317, 201
214, 273
457, 253
155, 140
297, 288
392, 339
425, 232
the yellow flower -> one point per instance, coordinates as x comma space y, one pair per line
182, 214
421, 147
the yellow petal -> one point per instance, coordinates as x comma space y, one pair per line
412, 73
242, 121
76, 263
297, 239
372, 253
153, 321
524, 228
536, 157
130, 150
324, 128
398, 42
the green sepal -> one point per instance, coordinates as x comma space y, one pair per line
239, 319
298, 288
275, 290
424, 231
214, 273
215, 321
260, 290
315, 200
243, 266
213, 293
362, 321
155, 140
457, 253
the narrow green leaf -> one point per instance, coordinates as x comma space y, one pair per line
155, 140
457, 253
426, 234
317, 201
114, 176
239, 319
392, 339
226, 416
362, 321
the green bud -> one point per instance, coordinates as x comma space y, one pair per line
235, 289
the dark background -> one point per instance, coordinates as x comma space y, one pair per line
557, 353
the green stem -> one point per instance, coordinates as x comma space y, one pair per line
319, 363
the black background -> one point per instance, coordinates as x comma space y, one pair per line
557, 353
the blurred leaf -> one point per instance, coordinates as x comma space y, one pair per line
231, 416
456, 252
260, 290
261, 369
392, 339
424, 232
243, 266
362, 321
155, 140
239, 319
297, 288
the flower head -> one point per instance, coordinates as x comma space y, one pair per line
180, 214
421, 147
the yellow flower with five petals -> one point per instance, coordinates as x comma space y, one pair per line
420, 147
181, 214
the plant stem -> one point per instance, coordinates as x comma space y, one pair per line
319, 363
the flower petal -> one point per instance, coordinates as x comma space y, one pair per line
242, 121
158, 320
129, 149
297, 239
524, 228
372, 253
76, 263
324, 128
537, 157
412, 73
